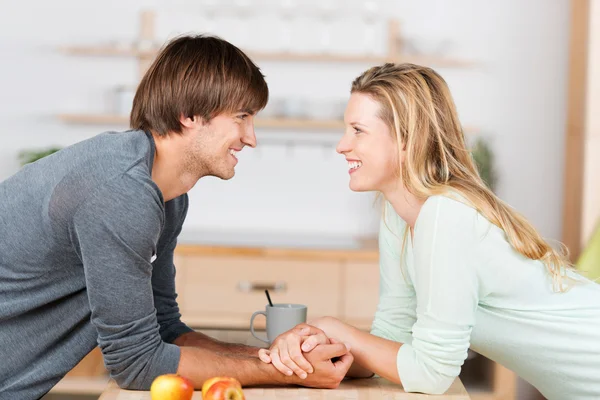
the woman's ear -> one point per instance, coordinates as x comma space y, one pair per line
402, 153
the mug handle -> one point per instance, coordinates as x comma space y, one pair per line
252, 326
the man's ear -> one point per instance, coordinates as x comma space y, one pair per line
191, 121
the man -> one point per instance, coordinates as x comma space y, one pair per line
87, 236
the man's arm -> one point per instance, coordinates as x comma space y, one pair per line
197, 339
199, 364
114, 232
163, 272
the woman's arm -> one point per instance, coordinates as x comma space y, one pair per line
372, 354
395, 316
446, 256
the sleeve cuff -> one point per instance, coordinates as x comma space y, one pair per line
174, 331
166, 362
415, 377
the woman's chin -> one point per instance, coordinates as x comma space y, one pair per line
357, 187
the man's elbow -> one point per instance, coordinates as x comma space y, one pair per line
130, 381
130, 372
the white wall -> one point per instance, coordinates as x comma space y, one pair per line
516, 95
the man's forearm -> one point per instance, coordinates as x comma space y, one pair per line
197, 339
199, 364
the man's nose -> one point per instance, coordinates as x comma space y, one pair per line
249, 138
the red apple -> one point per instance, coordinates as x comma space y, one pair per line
222, 388
171, 387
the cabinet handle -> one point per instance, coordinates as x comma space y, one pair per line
247, 286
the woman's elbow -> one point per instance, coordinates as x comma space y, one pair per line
432, 385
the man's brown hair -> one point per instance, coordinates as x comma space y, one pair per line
196, 75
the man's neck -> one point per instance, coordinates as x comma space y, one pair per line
169, 170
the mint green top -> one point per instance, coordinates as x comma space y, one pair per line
463, 286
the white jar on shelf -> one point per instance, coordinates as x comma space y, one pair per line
123, 99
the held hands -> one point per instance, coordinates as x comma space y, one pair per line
307, 352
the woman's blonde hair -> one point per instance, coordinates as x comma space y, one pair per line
416, 104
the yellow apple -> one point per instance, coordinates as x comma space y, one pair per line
222, 388
171, 387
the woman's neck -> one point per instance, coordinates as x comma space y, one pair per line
406, 205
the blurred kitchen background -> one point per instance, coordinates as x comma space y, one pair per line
525, 76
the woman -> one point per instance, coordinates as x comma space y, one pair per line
458, 267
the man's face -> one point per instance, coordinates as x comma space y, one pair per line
216, 143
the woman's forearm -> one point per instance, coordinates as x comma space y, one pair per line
375, 354
358, 371
372, 354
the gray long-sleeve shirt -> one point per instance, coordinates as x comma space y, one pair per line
79, 231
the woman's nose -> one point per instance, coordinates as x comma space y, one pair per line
343, 145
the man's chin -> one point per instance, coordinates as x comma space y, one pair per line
222, 175
227, 176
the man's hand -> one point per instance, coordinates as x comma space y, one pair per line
327, 373
286, 351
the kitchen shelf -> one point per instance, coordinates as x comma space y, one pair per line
113, 51
144, 49
272, 123
283, 123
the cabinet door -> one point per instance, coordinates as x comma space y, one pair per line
361, 293
223, 292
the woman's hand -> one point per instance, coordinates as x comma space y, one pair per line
286, 350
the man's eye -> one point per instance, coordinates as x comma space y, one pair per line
242, 116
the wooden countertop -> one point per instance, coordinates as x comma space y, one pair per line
364, 389
366, 254
278, 245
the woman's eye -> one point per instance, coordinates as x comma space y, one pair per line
357, 131
243, 116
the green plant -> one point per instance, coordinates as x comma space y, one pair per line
29, 156
484, 159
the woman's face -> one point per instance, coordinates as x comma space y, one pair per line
369, 148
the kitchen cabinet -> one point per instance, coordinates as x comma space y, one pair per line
225, 291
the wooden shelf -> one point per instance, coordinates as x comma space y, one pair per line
108, 51
113, 51
271, 123
81, 385
282, 123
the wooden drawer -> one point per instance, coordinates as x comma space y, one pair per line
361, 293
225, 291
